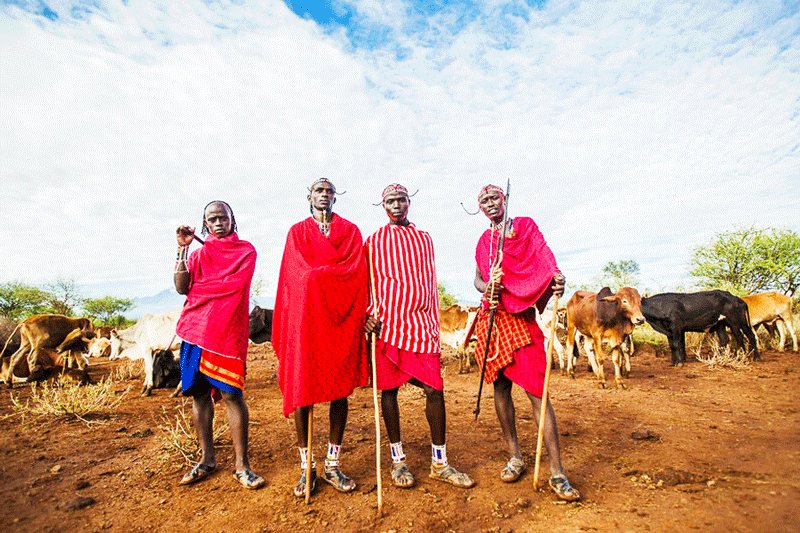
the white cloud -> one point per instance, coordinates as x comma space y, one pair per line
628, 132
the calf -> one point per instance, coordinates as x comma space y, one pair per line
99, 347
772, 309
166, 370
673, 314
260, 325
606, 319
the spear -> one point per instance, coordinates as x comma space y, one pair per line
492, 302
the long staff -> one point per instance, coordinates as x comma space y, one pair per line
375, 387
492, 302
308, 452
543, 411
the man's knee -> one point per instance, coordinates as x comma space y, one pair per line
432, 394
232, 398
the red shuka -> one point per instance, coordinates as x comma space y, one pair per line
320, 310
215, 314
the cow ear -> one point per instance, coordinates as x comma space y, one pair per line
612, 298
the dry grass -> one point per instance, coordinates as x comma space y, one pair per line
69, 401
718, 357
646, 335
177, 435
128, 370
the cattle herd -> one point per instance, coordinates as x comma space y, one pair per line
51, 346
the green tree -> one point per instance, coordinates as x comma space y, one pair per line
19, 300
109, 310
622, 273
445, 298
750, 260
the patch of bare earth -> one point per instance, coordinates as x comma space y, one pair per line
691, 447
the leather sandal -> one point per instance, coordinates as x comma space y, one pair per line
402, 476
249, 479
449, 474
300, 487
197, 473
513, 470
562, 488
335, 477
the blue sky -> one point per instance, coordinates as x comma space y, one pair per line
629, 130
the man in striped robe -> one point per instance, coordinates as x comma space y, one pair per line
526, 278
405, 317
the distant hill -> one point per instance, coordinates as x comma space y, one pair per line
168, 301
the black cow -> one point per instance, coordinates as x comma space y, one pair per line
260, 325
166, 370
673, 314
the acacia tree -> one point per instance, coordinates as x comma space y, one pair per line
107, 309
64, 296
750, 260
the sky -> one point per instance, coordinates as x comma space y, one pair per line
628, 130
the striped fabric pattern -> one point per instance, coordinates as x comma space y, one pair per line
405, 278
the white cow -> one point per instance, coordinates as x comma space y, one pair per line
150, 334
99, 347
544, 319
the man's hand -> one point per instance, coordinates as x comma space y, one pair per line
559, 281
373, 325
185, 235
495, 285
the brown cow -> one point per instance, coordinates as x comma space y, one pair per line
103, 332
606, 319
772, 308
65, 360
453, 323
40, 332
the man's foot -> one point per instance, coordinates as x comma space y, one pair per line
337, 478
300, 488
402, 476
249, 479
197, 473
513, 470
449, 474
562, 488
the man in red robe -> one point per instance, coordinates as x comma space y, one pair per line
214, 327
318, 325
527, 277
406, 316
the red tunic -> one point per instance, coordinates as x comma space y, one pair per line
528, 268
320, 309
407, 306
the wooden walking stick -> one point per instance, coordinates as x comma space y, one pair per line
308, 452
543, 410
375, 387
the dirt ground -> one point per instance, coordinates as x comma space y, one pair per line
721, 454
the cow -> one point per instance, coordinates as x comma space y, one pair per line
260, 325
605, 318
773, 309
103, 332
150, 334
43, 332
99, 347
9, 330
166, 370
66, 359
545, 319
453, 324
673, 314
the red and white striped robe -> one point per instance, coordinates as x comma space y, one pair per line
405, 276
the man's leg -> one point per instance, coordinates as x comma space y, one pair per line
338, 421
558, 479
239, 421
504, 406
301, 427
437, 420
401, 475
203, 418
